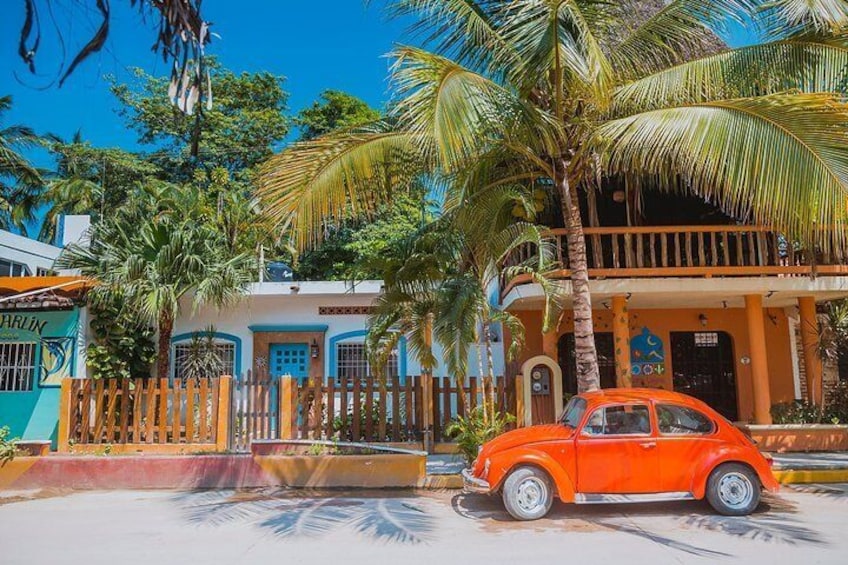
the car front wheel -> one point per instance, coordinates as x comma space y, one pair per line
528, 494
733, 490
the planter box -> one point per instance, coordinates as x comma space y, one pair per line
349, 466
798, 437
33, 448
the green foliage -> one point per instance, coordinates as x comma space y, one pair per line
7, 446
364, 415
802, 412
162, 247
122, 347
475, 429
90, 180
833, 331
334, 110
202, 359
246, 120
19, 179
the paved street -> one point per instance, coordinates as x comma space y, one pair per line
803, 525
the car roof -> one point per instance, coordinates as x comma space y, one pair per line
635, 394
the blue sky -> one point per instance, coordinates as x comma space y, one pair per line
338, 44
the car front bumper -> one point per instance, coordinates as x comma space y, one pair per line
470, 483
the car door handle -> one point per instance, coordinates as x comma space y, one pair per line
648, 445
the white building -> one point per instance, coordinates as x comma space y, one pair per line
305, 329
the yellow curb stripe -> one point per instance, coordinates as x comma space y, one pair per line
805, 476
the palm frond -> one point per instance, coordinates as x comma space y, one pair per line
555, 42
790, 17
322, 181
759, 70
459, 113
682, 28
779, 160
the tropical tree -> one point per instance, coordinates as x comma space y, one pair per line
20, 181
157, 252
567, 92
443, 284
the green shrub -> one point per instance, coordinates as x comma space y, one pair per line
475, 429
7, 446
837, 404
796, 412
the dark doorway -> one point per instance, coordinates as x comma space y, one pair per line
704, 367
604, 342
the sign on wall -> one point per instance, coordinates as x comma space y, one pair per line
647, 355
55, 334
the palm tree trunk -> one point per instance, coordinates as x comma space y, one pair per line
163, 359
588, 376
490, 363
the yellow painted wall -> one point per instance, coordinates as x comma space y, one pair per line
663, 322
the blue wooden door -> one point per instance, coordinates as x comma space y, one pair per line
289, 359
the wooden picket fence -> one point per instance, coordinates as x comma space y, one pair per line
144, 414
255, 410
415, 409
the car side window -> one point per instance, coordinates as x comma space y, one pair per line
626, 419
679, 420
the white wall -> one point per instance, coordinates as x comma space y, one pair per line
30, 252
276, 304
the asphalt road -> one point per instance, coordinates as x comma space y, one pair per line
804, 525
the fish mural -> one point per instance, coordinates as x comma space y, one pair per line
56, 356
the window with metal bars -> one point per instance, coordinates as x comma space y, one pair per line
352, 362
225, 351
17, 366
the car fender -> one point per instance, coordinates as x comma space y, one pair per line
502, 464
731, 454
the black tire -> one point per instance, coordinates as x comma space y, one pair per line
528, 493
733, 489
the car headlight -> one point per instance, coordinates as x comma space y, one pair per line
486, 465
479, 450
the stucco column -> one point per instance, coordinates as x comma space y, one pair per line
621, 338
759, 358
810, 342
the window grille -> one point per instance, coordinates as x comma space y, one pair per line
352, 362
17, 366
226, 352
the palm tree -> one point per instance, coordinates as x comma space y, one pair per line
567, 92
442, 285
19, 179
156, 252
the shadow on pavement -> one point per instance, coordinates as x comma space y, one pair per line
773, 522
286, 514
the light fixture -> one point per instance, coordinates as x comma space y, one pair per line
703, 319
619, 196
314, 350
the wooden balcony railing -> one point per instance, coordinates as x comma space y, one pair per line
692, 251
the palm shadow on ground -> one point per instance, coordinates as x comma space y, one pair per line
383, 517
773, 522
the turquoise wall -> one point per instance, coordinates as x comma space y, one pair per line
34, 414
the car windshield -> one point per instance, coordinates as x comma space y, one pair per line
573, 412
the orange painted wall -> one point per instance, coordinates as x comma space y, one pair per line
663, 322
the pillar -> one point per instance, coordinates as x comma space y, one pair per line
759, 359
810, 342
621, 339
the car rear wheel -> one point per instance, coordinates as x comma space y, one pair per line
528, 494
733, 490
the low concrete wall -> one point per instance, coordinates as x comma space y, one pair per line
268, 468
799, 437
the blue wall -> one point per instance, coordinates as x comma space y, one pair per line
34, 414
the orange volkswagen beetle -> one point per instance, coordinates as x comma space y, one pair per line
624, 445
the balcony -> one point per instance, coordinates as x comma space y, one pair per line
690, 252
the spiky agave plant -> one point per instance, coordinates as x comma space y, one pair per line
513, 91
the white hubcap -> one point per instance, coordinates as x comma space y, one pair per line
735, 490
531, 495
